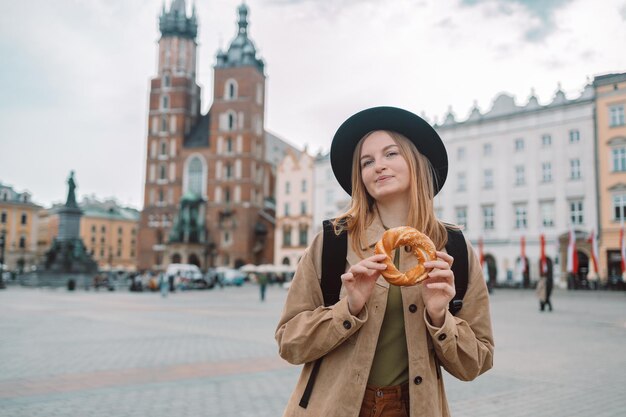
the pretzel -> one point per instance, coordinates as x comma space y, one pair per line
422, 247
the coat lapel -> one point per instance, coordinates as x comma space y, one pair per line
373, 234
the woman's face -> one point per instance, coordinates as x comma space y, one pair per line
384, 171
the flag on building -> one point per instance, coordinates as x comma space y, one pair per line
481, 252
593, 240
572, 255
542, 257
523, 253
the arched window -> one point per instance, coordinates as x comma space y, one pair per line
194, 171
165, 102
163, 172
227, 195
231, 121
230, 89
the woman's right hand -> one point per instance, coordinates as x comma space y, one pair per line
360, 279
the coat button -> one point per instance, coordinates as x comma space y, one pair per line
442, 337
418, 380
347, 325
412, 308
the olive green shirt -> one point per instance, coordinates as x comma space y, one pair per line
391, 360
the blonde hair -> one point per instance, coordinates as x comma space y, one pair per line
421, 215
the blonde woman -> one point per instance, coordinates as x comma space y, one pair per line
383, 346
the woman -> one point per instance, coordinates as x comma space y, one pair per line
383, 345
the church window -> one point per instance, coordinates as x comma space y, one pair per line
227, 195
165, 102
161, 199
166, 80
230, 89
231, 121
163, 172
229, 145
164, 124
195, 175
229, 170
163, 148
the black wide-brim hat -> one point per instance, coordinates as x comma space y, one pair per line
410, 125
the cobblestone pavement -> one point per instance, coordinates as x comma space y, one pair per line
212, 353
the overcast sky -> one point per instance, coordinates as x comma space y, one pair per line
75, 73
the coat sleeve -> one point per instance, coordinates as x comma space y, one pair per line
307, 330
464, 344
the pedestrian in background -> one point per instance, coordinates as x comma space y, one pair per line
163, 284
262, 279
544, 291
383, 345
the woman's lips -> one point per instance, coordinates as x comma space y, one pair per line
383, 178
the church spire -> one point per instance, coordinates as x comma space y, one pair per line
175, 21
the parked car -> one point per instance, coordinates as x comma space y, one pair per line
188, 276
230, 276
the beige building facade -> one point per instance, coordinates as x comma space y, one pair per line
18, 229
294, 207
611, 173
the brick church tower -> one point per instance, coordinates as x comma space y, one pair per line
209, 184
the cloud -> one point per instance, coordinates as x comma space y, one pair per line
541, 11
622, 12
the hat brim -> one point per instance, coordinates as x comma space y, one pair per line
394, 119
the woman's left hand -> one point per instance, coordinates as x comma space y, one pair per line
438, 289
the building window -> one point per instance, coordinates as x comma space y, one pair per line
616, 115
520, 216
574, 169
194, 173
303, 208
103, 229
461, 216
519, 175
304, 186
93, 229
166, 80
303, 235
461, 185
119, 231
546, 171
227, 195
286, 209
230, 90
330, 196
164, 148
487, 149
231, 121
488, 178
519, 144
287, 187
229, 170
24, 219
163, 123
618, 155
3, 217
287, 236
229, 145
22, 242
546, 141
460, 154
574, 136
488, 217
547, 213
619, 207
165, 102
576, 213
163, 172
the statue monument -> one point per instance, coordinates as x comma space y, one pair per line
67, 262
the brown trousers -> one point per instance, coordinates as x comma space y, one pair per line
386, 401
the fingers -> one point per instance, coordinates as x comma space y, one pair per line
439, 264
445, 257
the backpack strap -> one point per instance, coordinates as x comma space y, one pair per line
334, 251
457, 247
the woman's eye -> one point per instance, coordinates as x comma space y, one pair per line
390, 154
367, 162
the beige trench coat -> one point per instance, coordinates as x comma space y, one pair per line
307, 330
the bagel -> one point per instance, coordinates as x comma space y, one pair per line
422, 247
